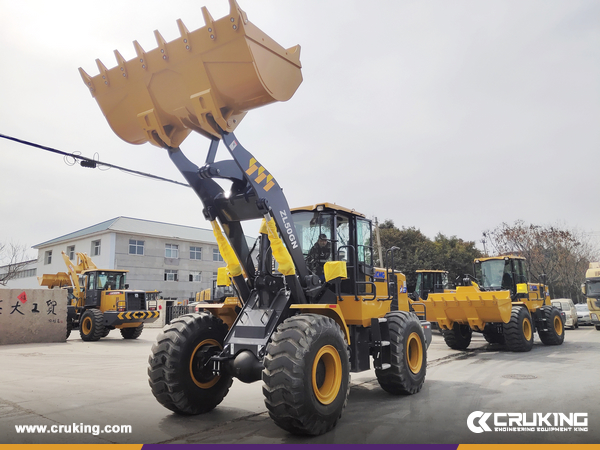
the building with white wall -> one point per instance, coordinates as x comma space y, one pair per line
174, 259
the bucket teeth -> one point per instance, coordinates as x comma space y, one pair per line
162, 45
236, 12
141, 55
103, 72
185, 34
122, 63
87, 80
210, 23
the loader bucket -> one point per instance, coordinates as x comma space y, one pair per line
54, 280
205, 80
469, 306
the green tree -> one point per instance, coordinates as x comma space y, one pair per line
455, 255
416, 251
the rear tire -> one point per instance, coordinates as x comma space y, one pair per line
597, 327
91, 325
408, 355
555, 335
132, 333
177, 375
459, 337
307, 374
518, 332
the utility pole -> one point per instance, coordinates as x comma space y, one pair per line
378, 243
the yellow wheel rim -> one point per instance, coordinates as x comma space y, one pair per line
203, 384
327, 374
86, 326
527, 329
414, 353
558, 325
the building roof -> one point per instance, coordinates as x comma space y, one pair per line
139, 227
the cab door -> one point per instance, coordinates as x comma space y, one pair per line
92, 295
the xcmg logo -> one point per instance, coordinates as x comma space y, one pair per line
479, 422
262, 174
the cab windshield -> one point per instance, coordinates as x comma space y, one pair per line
491, 272
110, 280
593, 289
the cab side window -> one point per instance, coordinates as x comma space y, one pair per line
91, 281
364, 242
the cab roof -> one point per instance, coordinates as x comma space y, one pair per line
489, 258
328, 207
104, 270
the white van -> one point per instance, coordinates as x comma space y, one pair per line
566, 305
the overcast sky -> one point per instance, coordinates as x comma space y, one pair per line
447, 116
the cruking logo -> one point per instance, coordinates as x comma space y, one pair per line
479, 422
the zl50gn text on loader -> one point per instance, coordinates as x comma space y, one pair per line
302, 333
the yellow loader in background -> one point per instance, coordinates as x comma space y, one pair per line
498, 302
99, 300
300, 330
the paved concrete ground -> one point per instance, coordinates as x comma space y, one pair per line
105, 383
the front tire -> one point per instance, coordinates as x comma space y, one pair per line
555, 335
493, 335
518, 332
408, 355
307, 374
177, 374
91, 325
459, 337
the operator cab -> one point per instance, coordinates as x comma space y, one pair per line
431, 281
501, 273
96, 281
347, 237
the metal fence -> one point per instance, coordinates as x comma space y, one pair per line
174, 311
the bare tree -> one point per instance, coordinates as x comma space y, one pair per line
556, 254
13, 259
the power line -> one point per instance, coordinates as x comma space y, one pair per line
91, 163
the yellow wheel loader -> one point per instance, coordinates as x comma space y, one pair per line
498, 302
99, 300
303, 326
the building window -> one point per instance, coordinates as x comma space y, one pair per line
195, 252
171, 275
48, 257
136, 247
26, 273
196, 276
95, 248
171, 251
216, 255
71, 252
